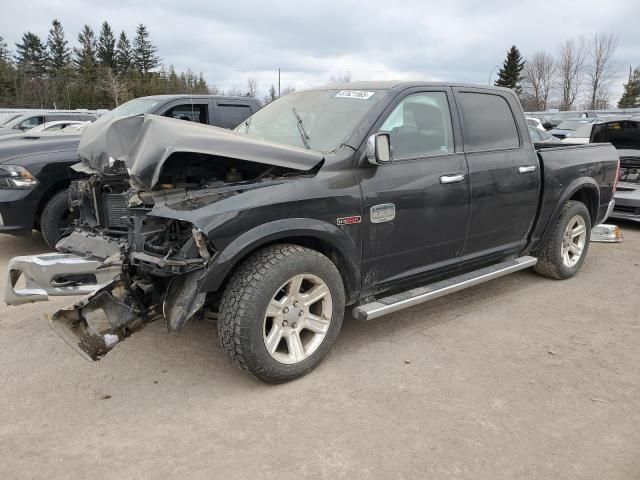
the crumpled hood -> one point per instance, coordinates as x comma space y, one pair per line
144, 143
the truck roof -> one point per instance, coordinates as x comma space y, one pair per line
401, 85
186, 95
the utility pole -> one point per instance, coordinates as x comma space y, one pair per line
278, 83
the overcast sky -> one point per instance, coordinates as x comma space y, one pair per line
310, 40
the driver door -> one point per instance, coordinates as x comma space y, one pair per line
416, 207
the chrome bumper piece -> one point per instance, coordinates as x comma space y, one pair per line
55, 274
606, 233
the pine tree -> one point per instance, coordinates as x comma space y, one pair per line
144, 52
123, 56
6, 73
4, 51
59, 52
631, 96
31, 56
107, 47
87, 66
511, 72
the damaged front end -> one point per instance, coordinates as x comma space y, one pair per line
132, 250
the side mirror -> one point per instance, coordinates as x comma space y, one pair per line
379, 149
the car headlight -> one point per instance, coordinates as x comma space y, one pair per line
13, 176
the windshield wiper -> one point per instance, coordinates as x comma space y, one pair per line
303, 132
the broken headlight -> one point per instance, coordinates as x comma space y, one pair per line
13, 176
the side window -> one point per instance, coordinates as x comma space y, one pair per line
31, 122
489, 122
233, 115
196, 112
420, 126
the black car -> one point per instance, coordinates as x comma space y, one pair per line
624, 135
34, 169
374, 195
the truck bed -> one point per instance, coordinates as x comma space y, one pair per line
562, 166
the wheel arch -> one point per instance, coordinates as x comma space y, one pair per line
323, 237
585, 190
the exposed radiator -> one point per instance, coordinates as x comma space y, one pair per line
114, 210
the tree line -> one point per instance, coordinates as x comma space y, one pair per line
577, 75
100, 71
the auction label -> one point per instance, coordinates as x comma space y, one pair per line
359, 94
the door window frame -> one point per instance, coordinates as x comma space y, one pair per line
508, 100
453, 112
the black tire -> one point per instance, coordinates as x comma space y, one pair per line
241, 321
55, 218
550, 263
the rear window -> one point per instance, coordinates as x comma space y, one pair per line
489, 122
233, 115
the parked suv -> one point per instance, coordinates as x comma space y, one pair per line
34, 169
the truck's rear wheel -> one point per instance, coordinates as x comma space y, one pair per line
566, 247
55, 218
281, 312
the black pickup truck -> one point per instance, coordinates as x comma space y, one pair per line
34, 168
375, 195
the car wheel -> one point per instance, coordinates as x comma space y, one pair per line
56, 218
566, 247
281, 312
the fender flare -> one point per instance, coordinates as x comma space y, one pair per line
576, 185
287, 229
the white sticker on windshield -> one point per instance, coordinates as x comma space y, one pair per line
359, 94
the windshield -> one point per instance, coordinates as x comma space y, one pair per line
558, 117
320, 120
5, 121
583, 132
570, 125
136, 106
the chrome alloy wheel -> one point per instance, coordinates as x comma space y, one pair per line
297, 318
575, 236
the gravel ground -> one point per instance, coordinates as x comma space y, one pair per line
520, 378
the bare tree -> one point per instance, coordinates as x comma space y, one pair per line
537, 78
235, 92
602, 47
571, 59
344, 77
252, 86
114, 86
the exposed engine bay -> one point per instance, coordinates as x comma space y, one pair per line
160, 261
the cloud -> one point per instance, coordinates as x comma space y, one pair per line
457, 40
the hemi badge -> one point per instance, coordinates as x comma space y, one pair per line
349, 220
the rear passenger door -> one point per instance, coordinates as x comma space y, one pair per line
229, 114
504, 176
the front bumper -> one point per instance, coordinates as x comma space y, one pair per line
55, 274
18, 210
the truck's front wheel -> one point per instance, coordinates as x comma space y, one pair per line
565, 249
281, 312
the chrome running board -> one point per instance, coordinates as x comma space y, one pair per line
416, 296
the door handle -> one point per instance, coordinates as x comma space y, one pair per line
456, 178
527, 169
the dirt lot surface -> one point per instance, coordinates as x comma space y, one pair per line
521, 378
